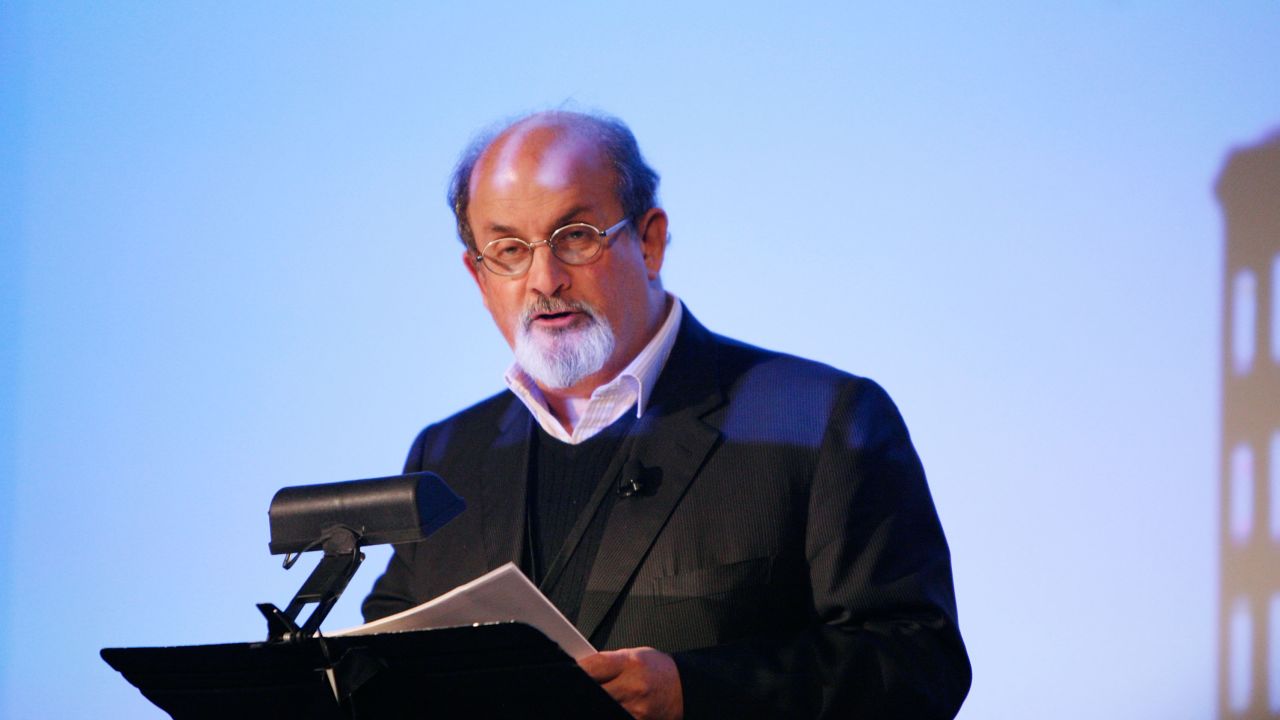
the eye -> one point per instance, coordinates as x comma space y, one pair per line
506, 255
576, 235
505, 248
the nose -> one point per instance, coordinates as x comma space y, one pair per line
547, 275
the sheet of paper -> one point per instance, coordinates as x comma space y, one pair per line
497, 596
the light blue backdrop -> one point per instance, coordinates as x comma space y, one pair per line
226, 266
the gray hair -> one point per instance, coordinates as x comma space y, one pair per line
636, 183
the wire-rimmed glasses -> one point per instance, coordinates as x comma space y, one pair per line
574, 244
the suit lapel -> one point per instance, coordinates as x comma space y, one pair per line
505, 479
671, 441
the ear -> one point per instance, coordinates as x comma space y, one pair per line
652, 232
477, 274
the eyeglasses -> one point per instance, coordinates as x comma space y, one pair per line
573, 244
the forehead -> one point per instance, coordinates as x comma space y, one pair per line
539, 164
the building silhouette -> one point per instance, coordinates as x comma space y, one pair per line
1249, 461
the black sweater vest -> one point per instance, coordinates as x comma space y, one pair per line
562, 480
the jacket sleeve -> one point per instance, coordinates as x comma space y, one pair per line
884, 641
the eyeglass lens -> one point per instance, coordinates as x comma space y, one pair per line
574, 244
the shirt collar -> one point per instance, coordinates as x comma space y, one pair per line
633, 385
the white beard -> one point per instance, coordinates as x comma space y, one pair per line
563, 358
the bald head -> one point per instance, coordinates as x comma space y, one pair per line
542, 147
560, 141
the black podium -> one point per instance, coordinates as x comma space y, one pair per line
499, 670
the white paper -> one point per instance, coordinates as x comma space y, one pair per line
500, 595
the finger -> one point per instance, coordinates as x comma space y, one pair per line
603, 666
631, 677
625, 693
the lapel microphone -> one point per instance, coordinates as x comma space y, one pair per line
633, 480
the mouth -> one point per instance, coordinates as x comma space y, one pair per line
557, 315
556, 320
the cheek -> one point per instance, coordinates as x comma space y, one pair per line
627, 296
504, 309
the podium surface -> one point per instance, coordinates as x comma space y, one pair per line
498, 670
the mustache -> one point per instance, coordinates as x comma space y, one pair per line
545, 305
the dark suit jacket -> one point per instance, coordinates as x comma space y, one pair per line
788, 554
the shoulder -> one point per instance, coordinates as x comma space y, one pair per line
743, 366
792, 395
474, 426
737, 358
734, 361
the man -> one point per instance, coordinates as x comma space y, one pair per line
744, 533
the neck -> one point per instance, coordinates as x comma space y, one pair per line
561, 400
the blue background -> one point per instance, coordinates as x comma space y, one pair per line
226, 266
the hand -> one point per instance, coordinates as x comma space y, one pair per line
644, 681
